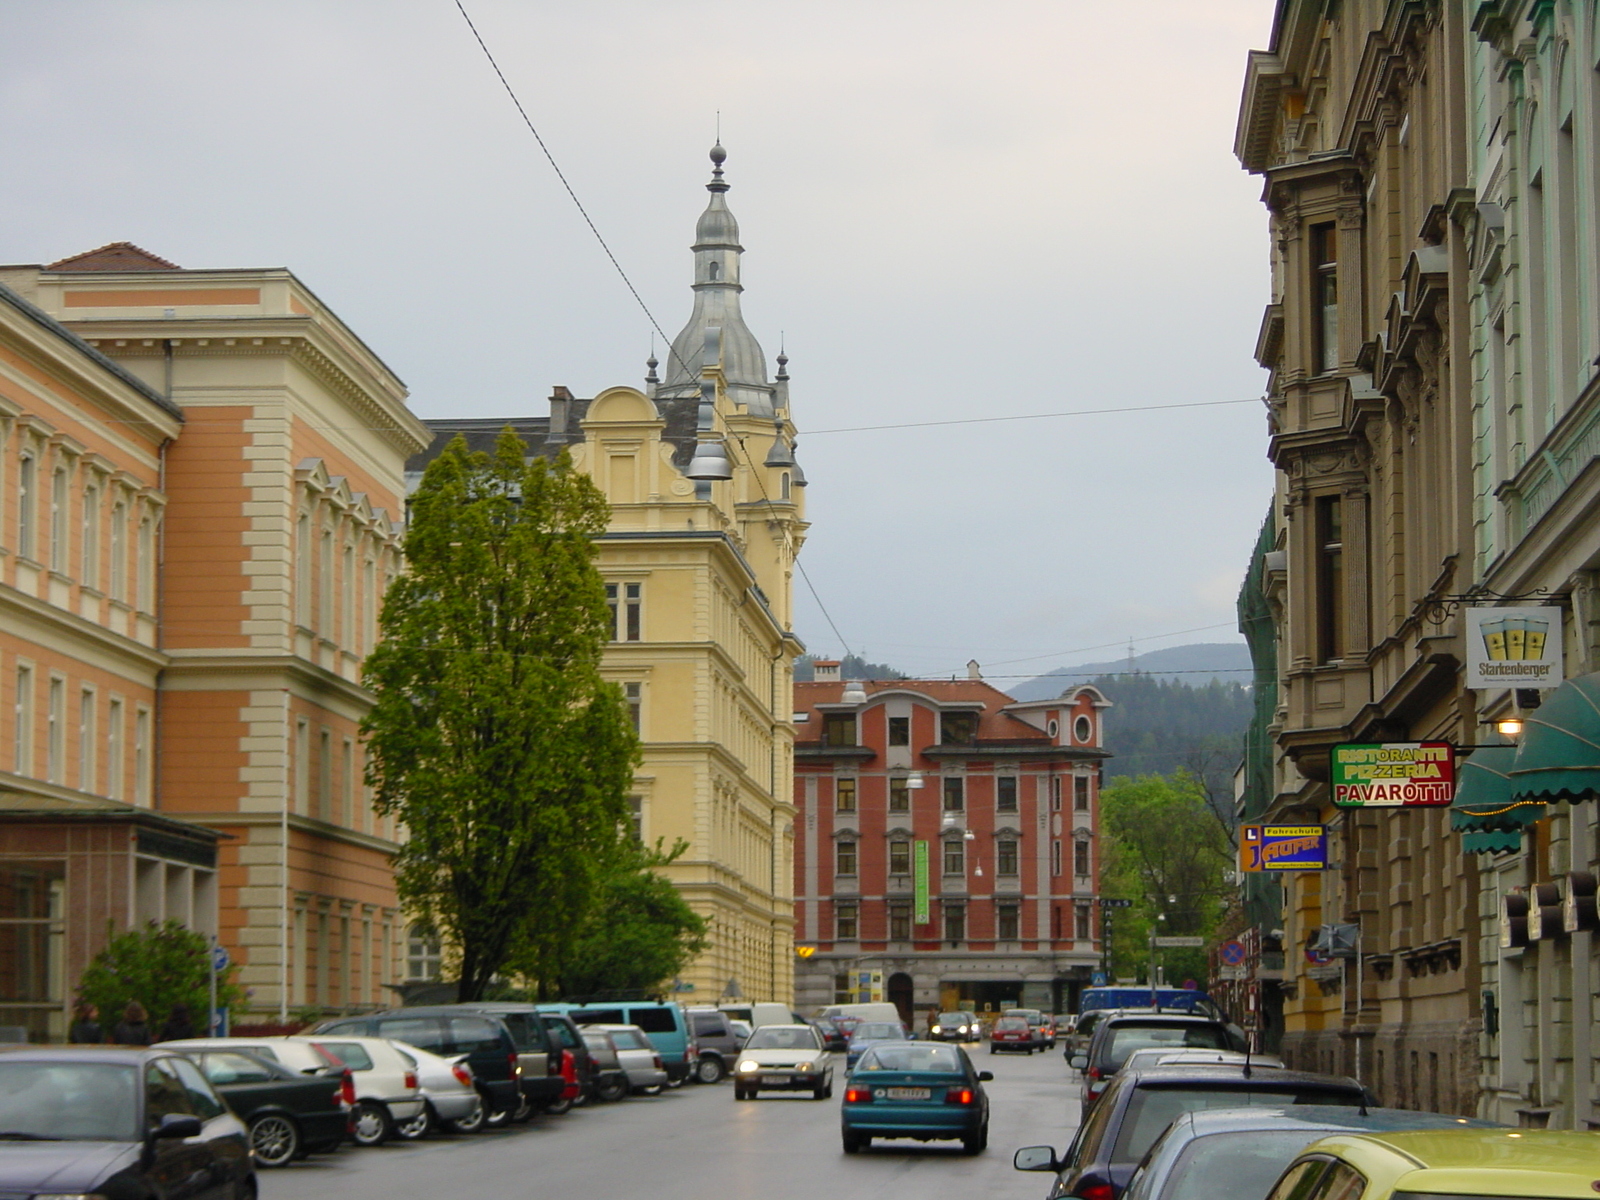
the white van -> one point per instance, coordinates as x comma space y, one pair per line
765, 1013
864, 1012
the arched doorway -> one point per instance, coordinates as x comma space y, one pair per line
900, 993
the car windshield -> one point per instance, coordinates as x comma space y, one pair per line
775, 1037
1245, 1163
1151, 1109
868, 1031
75, 1101
1123, 1040
952, 1018
912, 1056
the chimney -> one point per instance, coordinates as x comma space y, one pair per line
972, 669
825, 670
560, 402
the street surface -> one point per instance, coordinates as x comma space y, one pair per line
698, 1142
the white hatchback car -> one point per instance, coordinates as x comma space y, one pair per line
387, 1089
450, 1098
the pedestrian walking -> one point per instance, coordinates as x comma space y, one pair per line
85, 1027
179, 1024
134, 1028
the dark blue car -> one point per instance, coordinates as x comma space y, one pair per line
868, 1034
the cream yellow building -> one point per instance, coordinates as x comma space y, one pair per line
700, 572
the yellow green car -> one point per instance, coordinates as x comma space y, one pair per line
1461, 1164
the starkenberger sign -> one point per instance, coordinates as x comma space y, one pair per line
1393, 774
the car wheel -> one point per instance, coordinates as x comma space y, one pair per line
674, 1084
820, 1092
373, 1125
611, 1090
708, 1070
976, 1143
419, 1126
991, 1050
559, 1106
274, 1140
470, 1123
739, 1093
497, 1119
653, 1090
855, 1143
524, 1110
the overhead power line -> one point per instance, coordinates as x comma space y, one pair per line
1075, 412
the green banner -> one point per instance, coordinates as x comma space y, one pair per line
919, 883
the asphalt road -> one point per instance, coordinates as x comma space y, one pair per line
697, 1142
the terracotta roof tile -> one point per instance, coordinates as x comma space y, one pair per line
993, 724
118, 256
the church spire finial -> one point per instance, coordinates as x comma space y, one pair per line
718, 157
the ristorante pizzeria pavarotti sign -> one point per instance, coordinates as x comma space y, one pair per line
1393, 774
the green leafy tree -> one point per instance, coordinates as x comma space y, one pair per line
1169, 853
494, 739
159, 966
639, 936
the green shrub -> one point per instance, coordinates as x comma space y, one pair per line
159, 966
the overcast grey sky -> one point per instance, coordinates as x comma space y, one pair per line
949, 209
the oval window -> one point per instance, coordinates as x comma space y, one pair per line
1053, 728
1082, 729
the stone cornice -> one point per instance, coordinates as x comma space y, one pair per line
73, 627
297, 823
194, 664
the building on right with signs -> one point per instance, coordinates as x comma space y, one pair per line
1426, 587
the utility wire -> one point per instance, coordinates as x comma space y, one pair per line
1076, 412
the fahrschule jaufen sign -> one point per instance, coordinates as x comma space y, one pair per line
1393, 774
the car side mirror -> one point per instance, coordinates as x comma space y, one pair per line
1035, 1158
985, 1076
1078, 1062
174, 1125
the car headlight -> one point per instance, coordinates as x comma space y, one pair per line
805, 1066
749, 1064
935, 1029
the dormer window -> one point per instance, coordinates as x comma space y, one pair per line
839, 729
958, 729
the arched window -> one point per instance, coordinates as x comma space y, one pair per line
714, 271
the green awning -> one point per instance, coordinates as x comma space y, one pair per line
1490, 820
1560, 754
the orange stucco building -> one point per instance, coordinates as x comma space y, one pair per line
223, 550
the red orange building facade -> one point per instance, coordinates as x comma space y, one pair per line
947, 849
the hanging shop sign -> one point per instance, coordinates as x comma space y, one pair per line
1393, 774
919, 883
1282, 848
1514, 647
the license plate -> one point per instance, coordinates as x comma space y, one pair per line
775, 1079
907, 1093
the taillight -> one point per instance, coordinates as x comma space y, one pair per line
857, 1095
462, 1074
1096, 1191
516, 1066
411, 1081
660, 1066
348, 1087
569, 1066
958, 1095
1092, 1073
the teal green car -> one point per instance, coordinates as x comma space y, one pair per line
929, 1091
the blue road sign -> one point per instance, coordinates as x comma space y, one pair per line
220, 959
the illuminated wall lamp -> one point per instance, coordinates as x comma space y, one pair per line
1510, 727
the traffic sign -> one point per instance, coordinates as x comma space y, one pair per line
1232, 953
219, 958
1098, 979
1175, 943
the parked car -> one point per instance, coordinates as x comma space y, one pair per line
538, 1058
1011, 1033
922, 1090
664, 1024
878, 1010
1164, 999
867, 1034
834, 1038
741, 1029
788, 1058
483, 1039
763, 1013
955, 1027
1139, 1105
611, 1081
1161, 1056
450, 1098
1243, 1151
387, 1090
717, 1043
637, 1056
299, 1054
578, 1070
1120, 1034
289, 1115
1558, 1164
115, 1121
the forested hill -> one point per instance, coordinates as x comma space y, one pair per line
1158, 725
